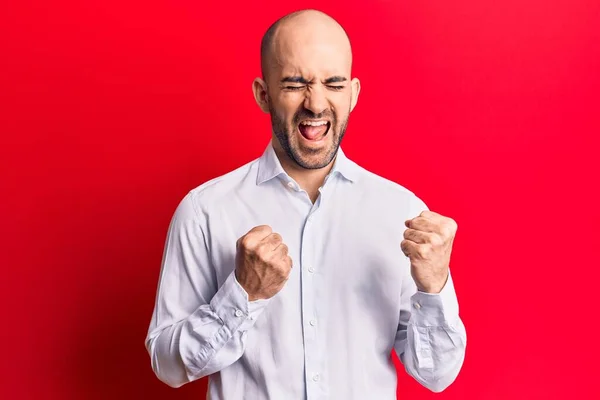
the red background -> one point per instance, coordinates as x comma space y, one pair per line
111, 111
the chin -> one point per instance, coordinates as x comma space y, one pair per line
313, 158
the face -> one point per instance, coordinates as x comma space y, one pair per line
309, 95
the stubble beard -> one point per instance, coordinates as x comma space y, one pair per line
283, 133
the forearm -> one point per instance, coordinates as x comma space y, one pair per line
432, 348
210, 339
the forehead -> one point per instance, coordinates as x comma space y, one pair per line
311, 55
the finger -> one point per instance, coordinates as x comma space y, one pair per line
273, 240
254, 236
408, 247
415, 251
436, 219
283, 258
261, 231
422, 224
281, 250
419, 236
429, 214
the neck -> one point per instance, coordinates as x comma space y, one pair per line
309, 180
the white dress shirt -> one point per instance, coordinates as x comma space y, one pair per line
349, 302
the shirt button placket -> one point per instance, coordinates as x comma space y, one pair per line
311, 351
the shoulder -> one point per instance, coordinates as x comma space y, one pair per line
217, 190
387, 192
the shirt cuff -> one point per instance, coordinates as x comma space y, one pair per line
435, 309
231, 304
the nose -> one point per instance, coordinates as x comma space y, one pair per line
316, 100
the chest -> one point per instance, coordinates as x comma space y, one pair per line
344, 248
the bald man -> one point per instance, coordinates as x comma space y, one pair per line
297, 275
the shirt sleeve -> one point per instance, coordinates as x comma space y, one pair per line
431, 338
197, 327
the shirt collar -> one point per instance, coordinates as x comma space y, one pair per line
270, 167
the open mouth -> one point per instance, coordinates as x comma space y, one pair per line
314, 130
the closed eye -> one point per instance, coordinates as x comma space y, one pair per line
296, 88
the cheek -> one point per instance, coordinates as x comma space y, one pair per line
341, 115
282, 112
289, 103
341, 106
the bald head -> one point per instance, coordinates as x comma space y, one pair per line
297, 29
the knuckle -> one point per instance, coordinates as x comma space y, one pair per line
266, 228
448, 230
448, 224
418, 252
281, 268
422, 251
260, 231
404, 246
448, 233
453, 225
435, 240
426, 213
262, 251
441, 230
246, 241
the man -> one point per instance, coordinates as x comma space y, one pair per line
296, 275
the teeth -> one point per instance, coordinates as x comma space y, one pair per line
314, 123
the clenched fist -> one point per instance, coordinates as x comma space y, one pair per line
428, 244
262, 263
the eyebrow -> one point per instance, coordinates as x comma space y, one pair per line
299, 79
294, 79
335, 79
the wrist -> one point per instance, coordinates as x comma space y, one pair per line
434, 288
251, 296
430, 289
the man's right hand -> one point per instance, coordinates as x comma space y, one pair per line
262, 263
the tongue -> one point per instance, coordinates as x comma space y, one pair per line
312, 132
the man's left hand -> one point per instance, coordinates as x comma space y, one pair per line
428, 244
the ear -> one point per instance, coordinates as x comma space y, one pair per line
259, 87
355, 87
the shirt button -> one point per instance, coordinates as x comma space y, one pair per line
316, 377
417, 306
311, 269
313, 322
290, 185
238, 313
